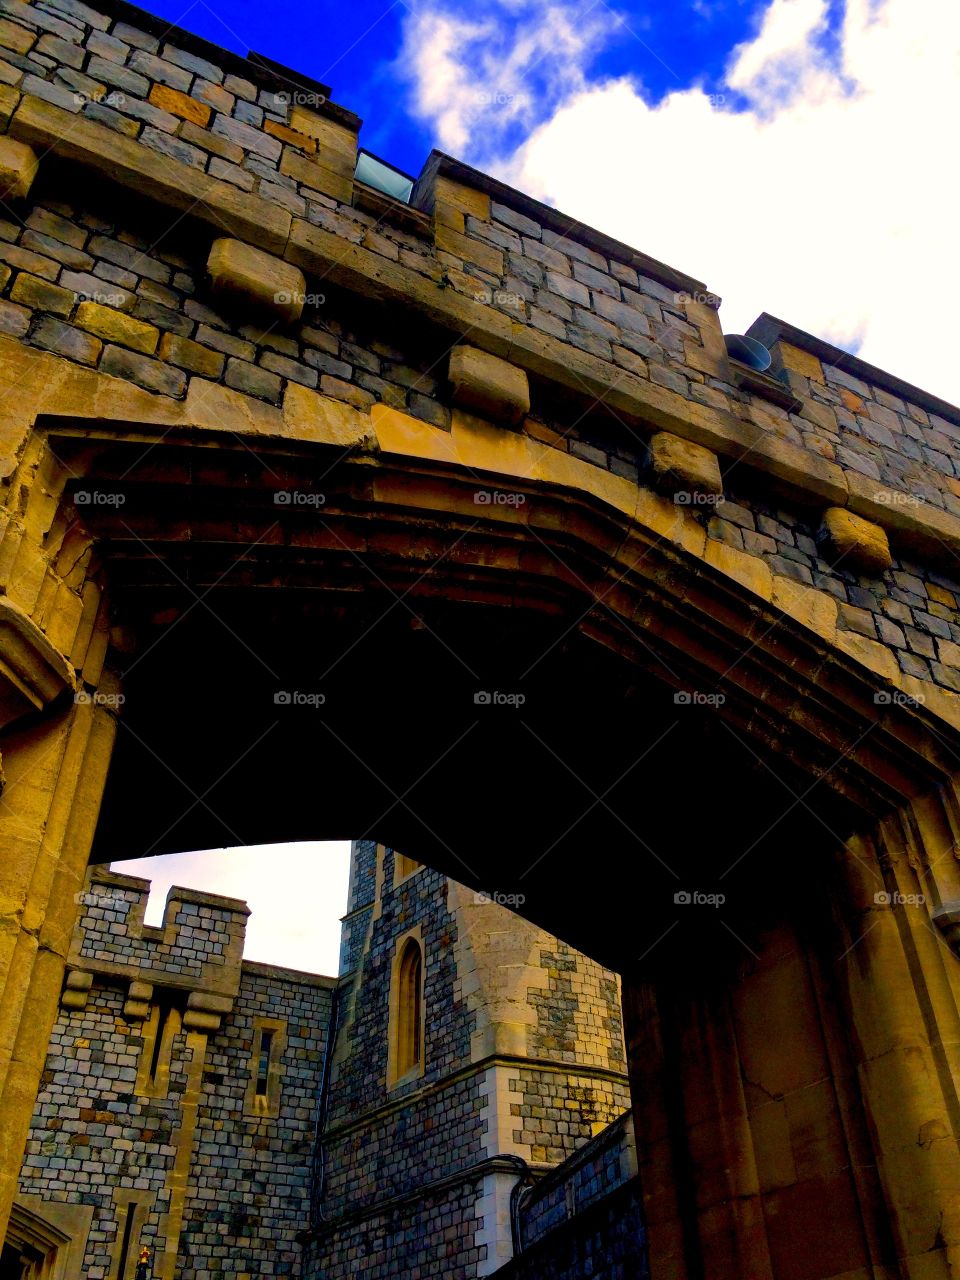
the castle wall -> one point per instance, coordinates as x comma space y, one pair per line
211, 1185
510, 1012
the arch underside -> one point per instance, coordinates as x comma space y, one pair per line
675, 731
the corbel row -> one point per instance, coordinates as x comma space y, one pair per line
204, 1011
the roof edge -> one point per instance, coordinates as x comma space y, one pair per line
769, 329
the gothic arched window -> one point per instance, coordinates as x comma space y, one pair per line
408, 1010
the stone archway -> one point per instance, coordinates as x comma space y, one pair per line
775, 1077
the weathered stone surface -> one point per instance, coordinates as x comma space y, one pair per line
116, 326
179, 104
256, 279
856, 542
489, 385
677, 466
18, 168
152, 375
190, 355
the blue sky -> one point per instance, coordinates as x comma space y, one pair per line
788, 153
358, 49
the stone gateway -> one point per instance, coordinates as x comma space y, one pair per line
452, 522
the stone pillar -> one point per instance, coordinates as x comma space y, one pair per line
55, 770
807, 1105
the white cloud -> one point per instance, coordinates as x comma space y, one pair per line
475, 79
828, 197
296, 894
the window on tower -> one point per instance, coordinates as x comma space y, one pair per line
407, 1013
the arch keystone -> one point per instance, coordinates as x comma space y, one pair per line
257, 279
860, 543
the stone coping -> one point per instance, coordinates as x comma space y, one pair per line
439, 164
769, 330
176, 893
261, 70
300, 976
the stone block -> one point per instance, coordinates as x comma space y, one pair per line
179, 104
116, 326
679, 466
858, 543
18, 168
256, 278
488, 385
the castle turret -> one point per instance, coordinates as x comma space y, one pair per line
474, 1052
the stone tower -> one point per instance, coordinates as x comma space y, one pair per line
474, 1051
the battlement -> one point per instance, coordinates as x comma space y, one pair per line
197, 949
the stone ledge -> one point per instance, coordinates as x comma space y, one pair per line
807, 478
127, 161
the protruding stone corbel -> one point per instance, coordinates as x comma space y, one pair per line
256, 280
683, 470
32, 671
136, 1007
859, 543
947, 919
18, 168
76, 989
205, 1011
488, 385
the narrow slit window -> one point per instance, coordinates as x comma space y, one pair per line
128, 1214
409, 1008
163, 1018
263, 1063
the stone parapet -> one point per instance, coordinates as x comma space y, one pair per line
198, 948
